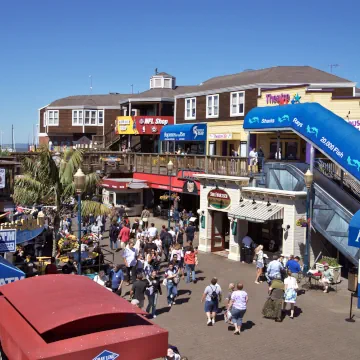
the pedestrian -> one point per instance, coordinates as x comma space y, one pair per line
259, 263
327, 277
190, 232
113, 234
291, 287
238, 305
69, 267
261, 158
39, 244
145, 215
137, 291
152, 230
101, 278
121, 213
227, 314
294, 266
190, 260
172, 279
172, 233
124, 237
152, 292
166, 239
180, 237
212, 297
117, 279
247, 244
274, 269
273, 306
51, 268
130, 256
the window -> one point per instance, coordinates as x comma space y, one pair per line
44, 119
52, 117
93, 117
167, 83
77, 117
190, 109
101, 117
87, 117
237, 103
212, 106
157, 83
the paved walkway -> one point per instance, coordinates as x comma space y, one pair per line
319, 330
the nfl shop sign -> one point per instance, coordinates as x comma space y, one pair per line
218, 199
106, 355
151, 125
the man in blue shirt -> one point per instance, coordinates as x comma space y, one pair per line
294, 266
117, 279
274, 269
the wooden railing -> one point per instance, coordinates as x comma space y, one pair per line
157, 163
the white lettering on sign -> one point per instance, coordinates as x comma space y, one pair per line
161, 122
332, 147
268, 121
219, 195
124, 122
297, 122
123, 128
358, 237
180, 134
4, 281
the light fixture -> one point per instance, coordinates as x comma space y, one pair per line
308, 178
79, 180
241, 199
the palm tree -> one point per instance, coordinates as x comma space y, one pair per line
49, 180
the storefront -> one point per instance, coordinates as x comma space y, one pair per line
232, 210
124, 192
227, 138
184, 138
142, 131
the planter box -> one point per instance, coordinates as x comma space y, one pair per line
335, 269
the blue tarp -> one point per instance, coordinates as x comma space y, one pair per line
328, 132
9, 273
183, 132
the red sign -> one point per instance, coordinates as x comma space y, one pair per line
151, 125
218, 199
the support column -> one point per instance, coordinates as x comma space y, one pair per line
205, 234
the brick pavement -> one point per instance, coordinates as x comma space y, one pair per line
318, 331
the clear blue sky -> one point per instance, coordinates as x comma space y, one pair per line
48, 48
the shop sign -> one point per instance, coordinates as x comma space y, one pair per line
354, 123
280, 99
151, 125
8, 280
190, 187
106, 355
124, 125
2, 178
7, 240
220, 136
218, 199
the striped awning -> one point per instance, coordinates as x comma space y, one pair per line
258, 212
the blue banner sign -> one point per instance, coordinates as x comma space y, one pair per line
184, 132
7, 241
325, 130
106, 355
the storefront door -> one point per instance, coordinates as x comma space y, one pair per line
218, 231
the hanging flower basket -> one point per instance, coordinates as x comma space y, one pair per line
301, 222
165, 197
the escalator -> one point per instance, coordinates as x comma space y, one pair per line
331, 213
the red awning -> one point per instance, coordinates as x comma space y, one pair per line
112, 184
68, 317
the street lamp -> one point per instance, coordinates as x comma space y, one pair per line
79, 180
170, 167
308, 178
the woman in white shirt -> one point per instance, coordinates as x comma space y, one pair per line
259, 263
291, 286
101, 278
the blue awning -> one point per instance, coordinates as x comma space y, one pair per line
354, 231
319, 126
27, 235
9, 273
184, 132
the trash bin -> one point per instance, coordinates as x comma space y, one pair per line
353, 280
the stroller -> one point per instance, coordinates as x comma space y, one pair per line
266, 262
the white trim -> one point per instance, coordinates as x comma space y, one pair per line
42, 134
213, 106
80, 107
238, 97
171, 99
354, 92
175, 112
261, 85
190, 117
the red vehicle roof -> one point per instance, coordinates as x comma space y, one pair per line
72, 317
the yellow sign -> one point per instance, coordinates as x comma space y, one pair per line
125, 125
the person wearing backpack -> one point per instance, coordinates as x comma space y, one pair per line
152, 292
166, 239
212, 297
113, 234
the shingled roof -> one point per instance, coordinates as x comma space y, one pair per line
273, 75
90, 100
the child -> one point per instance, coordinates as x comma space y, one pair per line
227, 315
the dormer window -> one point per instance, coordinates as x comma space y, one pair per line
167, 83
157, 83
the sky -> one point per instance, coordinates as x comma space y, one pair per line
48, 48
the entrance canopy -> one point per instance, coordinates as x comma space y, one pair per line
258, 212
183, 132
319, 126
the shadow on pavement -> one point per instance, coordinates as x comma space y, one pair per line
247, 325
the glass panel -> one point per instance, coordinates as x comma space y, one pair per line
241, 97
216, 100
241, 108
80, 117
157, 82
209, 112
234, 99
188, 113
234, 109
193, 112
93, 118
188, 104
75, 117
210, 100
87, 117
101, 117
215, 110
167, 83
56, 115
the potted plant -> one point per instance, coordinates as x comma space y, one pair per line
301, 222
333, 265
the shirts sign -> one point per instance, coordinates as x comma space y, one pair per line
7, 240
218, 199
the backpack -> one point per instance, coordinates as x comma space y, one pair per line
114, 232
214, 295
